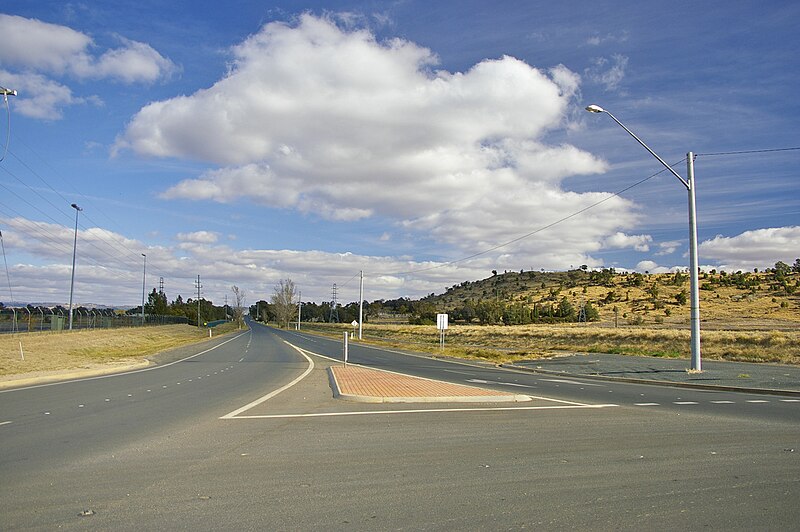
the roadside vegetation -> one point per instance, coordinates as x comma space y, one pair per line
42, 352
745, 316
506, 344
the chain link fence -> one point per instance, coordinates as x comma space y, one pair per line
35, 319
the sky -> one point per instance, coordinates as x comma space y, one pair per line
423, 143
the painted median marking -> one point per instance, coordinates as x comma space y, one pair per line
237, 414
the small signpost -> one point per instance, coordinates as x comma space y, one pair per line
441, 324
344, 347
354, 323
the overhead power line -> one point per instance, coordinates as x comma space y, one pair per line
540, 229
742, 152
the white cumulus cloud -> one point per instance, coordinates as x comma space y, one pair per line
36, 55
620, 240
759, 248
330, 121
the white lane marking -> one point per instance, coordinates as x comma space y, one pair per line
756, 401
480, 381
276, 392
790, 400
422, 411
241, 359
646, 404
566, 381
723, 402
5, 423
112, 375
685, 402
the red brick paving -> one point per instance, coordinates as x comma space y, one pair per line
359, 381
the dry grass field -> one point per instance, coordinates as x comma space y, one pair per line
744, 316
500, 343
46, 352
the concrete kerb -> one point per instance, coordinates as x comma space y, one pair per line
654, 382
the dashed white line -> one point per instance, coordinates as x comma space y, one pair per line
566, 381
790, 400
724, 402
757, 401
685, 402
646, 404
5, 423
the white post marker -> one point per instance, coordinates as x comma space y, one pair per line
344, 347
355, 324
441, 324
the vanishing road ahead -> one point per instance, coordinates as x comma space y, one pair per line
205, 443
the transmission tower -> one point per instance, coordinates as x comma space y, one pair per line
160, 285
582, 313
334, 317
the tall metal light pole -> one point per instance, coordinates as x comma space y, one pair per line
689, 184
144, 278
74, 249
361, 305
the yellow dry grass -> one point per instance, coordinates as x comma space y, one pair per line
83, 349
506, 343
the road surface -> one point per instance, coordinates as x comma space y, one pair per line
172, 447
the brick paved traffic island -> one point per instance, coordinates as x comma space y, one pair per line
356, 383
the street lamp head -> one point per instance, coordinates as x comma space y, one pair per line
75, 206
595, 109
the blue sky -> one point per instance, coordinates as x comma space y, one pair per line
248, 142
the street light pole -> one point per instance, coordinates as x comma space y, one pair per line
694, 268
74, 249
144, 278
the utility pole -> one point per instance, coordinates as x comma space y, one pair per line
74, 249
299, 308
361, 305
198, 286
144, 279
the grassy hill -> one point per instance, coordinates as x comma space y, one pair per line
742, 300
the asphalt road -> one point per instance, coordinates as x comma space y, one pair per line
149, 450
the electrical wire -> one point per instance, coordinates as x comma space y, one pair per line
539, 230
8, 276
742, 152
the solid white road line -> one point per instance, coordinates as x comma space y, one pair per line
111, 375
5, 422
422, 411
270, 395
